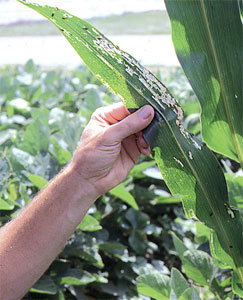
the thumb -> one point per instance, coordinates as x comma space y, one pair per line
133, 123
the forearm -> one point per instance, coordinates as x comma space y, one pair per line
108, 149
31, 242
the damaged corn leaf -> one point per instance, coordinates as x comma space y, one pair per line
188, 166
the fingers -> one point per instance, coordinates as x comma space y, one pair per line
131, 148
142, 145
132, 123
111, 114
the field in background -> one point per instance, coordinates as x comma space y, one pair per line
153, 22
24, 34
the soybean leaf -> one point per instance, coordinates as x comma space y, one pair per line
5, 168
89, 223
45, 285
190, 293
117, 250
179, 245
7, 135
4, 205
139, 168
93, 99
36, 137
195, 294
207, 36
178, 283
155, 285
187, 165
85, 247
167, 199
38, 181
137, 219
122, 193
20, 105
63, 156
235, 188
75, 277
22, 158
137, 242
111, 246
198, 266
202, 233
186, 294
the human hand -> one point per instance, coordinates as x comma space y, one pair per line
110, 146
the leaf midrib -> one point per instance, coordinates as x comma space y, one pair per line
221, 83
178, 144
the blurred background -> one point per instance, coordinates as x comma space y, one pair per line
139, 27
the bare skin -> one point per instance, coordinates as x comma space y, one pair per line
109, 148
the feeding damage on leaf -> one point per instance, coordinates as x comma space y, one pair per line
160, 98
189, 168
148, 85
129, 69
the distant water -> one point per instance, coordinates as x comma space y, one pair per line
150, 50
12, 11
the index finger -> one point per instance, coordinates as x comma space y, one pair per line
112, 113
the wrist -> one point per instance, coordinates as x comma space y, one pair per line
82, 187
90, 174
74, 195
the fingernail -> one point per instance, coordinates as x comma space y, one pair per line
145, 113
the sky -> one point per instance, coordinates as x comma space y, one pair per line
11, 11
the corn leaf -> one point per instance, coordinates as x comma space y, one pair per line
187, 165
207, 36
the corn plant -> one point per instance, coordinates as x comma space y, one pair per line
210, 52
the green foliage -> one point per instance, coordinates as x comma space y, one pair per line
178, 283
180, 156
115, 244
197, 264
207, 36
44, 286
41, 120
111, 241
155, 285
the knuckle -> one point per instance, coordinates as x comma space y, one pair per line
99, 111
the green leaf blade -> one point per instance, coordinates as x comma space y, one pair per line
75, 277
178, 283
237, 286
235, 188
45, 285
121, 192
38, 181
36, 137
89, 223
198, 266
183, 159
210, 52
155, 285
